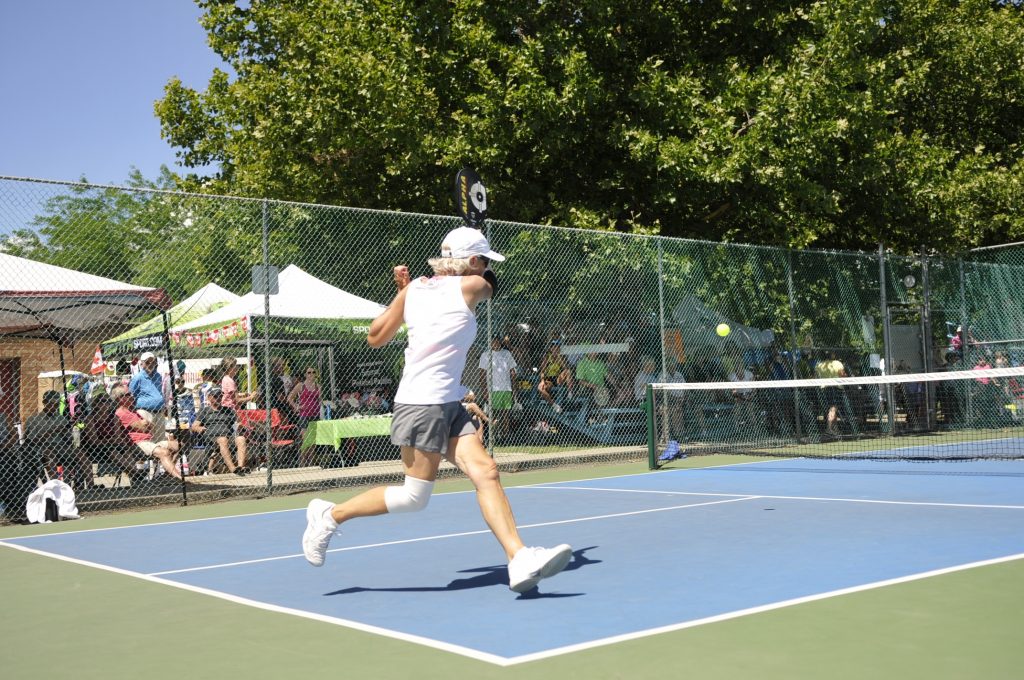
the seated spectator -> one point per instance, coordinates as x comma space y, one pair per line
203, 388
218, 424
186, 401
647, 374
591, 372
556, 368
103, 434
230, 396
147, 389
620, 387
546, 391
142, 431
50, 432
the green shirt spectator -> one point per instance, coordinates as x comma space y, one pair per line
591, 370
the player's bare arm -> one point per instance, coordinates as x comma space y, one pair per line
385, 326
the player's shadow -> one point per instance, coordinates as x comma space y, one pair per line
485, 577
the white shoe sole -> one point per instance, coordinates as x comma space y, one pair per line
310, 521
559, 561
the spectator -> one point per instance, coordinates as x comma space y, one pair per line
203, 388
219, 424
647, 374
143, 434
679, 403
77, 405
305, 402
497, 383
556, 368
50, 432
620, 387
280, 387
590, 377
831, 367
104, 437
546, 391
186, 401
230, 396
146, 387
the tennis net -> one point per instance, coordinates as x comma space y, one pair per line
955, 415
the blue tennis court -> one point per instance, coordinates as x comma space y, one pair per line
653, 552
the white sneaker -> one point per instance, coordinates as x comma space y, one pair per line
530, 565
319, 529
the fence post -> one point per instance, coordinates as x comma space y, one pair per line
964, 334
890, 394
929, 345
661, 308
793, 339
267, 385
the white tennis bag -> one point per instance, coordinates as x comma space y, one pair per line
56, 491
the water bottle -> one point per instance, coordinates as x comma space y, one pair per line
184, 465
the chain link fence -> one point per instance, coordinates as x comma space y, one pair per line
270, 302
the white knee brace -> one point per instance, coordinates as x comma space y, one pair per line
410, 497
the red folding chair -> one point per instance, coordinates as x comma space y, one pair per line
252, 424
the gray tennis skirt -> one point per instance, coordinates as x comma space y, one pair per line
429, 427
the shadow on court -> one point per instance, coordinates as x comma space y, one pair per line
484, 577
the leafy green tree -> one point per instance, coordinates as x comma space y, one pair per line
835, 124
145, 235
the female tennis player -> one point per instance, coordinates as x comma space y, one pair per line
429, 422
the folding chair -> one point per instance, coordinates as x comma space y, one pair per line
252, 424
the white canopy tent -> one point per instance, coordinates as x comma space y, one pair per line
300, 296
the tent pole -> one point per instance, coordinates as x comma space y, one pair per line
330, 364
64, 384
248, 360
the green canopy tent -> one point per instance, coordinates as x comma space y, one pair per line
149, 335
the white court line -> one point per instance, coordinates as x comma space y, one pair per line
455, 535
788, 498
348, 623
558, 651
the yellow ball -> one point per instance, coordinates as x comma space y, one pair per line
723, 329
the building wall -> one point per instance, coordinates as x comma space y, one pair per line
39, 356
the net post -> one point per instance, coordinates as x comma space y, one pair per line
652, 453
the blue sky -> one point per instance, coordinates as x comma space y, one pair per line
79, 79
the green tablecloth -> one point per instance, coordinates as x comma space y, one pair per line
332, 432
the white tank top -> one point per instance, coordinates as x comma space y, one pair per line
441, 328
